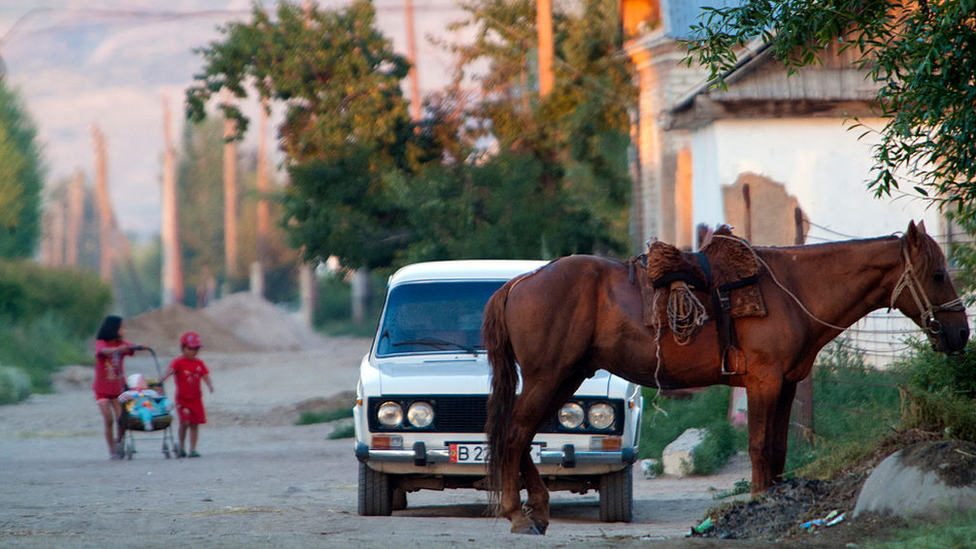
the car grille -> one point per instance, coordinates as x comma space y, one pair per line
468, 414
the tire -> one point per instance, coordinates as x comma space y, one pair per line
375, 492
617, 496
399, 499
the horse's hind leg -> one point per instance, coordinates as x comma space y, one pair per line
537, 503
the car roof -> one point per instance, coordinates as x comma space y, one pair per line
468, 269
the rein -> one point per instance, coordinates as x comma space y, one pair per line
927, 310
907, 280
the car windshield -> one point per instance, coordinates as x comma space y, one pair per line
434, 317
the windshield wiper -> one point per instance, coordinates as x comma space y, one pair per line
436, 343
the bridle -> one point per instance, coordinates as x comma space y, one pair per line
927, 311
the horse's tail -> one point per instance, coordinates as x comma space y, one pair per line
504, 379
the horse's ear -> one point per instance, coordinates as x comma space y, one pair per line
912, 233
921, 227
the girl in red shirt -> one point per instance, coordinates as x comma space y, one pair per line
188, 371
110, 352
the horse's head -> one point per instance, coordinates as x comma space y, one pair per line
925, 293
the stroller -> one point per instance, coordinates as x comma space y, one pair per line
145, 409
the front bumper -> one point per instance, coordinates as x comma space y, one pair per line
567, 457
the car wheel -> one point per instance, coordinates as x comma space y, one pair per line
399, 499
617, 496
375, 492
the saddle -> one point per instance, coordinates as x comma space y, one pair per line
673, 283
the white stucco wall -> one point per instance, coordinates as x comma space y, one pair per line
826, 168
820, 162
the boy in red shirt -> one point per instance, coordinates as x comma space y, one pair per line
188, 371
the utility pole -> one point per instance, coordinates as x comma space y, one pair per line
263, 213
415, 99
230, 196
172, 261
543, 15
104, 206
307, 285
76, 218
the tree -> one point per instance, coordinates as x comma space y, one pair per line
21, 178
555, 180
346, 124
922, 52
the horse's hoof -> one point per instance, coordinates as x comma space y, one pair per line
540, 527
526, 527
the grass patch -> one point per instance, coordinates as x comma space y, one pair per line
309, 418
957, 531
40, 347
854, 406
343, 431
706, 409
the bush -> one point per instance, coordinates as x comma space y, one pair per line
14, 385
854, 405
309, 418
28, 292
333, 312
40, 347
343, 431
707, 409
941, 374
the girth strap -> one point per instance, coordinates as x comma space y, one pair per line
722, 305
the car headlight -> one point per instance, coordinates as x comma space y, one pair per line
571, 415
420, 414
390, 414
601, 415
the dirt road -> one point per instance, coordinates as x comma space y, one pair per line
264, 482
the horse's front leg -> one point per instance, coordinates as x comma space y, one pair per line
781, 430
763, 395
537, 504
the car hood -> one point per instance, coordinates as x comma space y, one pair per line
455, 374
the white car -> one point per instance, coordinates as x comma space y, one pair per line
420, 410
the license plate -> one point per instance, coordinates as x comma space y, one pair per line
474, 452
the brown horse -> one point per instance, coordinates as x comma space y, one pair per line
579, 314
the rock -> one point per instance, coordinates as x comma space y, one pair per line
650, 468
927, 480
678, 457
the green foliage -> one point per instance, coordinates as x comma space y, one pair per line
665, 419
344, 431
958, 531
41, 346
21, 178
555, 180
920, 53
308, 418
333, 313
854, 406
14, 385
28, 292
942, 374
346, 122
721, 442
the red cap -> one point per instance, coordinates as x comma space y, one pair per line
190, 339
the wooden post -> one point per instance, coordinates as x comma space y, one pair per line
543, 15
172, 260
263, 214
76, 218
104, 207
415, 99
804, 389
230, 197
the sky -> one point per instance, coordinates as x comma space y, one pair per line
76, 63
